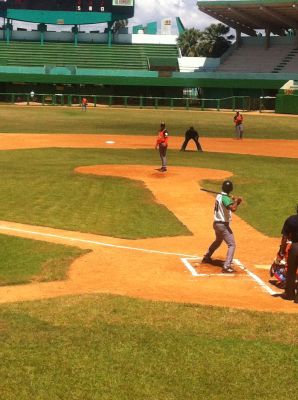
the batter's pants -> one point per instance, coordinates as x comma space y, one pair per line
292, 269
223, 232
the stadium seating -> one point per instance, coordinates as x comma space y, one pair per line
130, 56
249, 58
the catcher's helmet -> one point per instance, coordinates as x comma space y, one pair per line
227, 186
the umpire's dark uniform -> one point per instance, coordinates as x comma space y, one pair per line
290, 231
191, 133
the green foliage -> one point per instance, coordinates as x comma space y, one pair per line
105, 347
121, 23
212, 42
188, 42
215, 40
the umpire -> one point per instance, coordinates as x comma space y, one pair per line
290, 232
191, 134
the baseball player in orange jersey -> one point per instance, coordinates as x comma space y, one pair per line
162, 145
238, 121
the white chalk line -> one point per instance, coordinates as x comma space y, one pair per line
194, 272
256, 278
253, 276
74, 239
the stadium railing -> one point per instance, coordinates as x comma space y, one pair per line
243, 103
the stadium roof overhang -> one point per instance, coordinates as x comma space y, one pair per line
248, 16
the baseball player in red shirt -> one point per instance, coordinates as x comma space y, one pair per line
162, 145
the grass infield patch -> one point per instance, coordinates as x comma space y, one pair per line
25, 260
113, 348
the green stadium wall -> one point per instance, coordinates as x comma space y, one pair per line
286, 104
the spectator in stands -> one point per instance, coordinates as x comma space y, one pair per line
84, 104
32, 95
238, 121
191, 134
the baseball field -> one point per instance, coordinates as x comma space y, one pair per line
103, 294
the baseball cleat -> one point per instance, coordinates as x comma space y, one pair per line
207, 260
228, 270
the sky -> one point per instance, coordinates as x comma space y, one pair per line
155, 10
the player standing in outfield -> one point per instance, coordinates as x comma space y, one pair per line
290, 233
84, 104
191, 134
162, 146
224, 206
238, 121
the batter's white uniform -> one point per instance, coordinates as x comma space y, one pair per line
221, 226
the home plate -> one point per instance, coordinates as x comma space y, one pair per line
110, 142
197, 269
265, 267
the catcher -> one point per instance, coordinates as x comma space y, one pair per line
290, 233
279, 268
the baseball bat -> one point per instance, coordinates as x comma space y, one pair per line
212, 191
209, 191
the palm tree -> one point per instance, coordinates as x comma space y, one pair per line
212, 42
121, 23
215, 40
188, 42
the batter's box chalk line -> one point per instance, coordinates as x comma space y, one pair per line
187, 263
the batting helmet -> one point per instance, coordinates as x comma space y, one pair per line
227, 186
162, 125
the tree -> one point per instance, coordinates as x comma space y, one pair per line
121, 23
212, 42
188, 42
215, 40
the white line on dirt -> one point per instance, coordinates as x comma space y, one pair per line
193, 270
258, 280
74, 239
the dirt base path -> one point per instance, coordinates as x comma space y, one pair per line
270, 147
168, 268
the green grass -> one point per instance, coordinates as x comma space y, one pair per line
25, 260
46, 191
101, 347
112, 348
39, 187
141, 122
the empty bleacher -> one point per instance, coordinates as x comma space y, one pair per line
257, 59
289, 64
126, 56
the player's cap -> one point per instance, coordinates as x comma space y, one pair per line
227, 186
